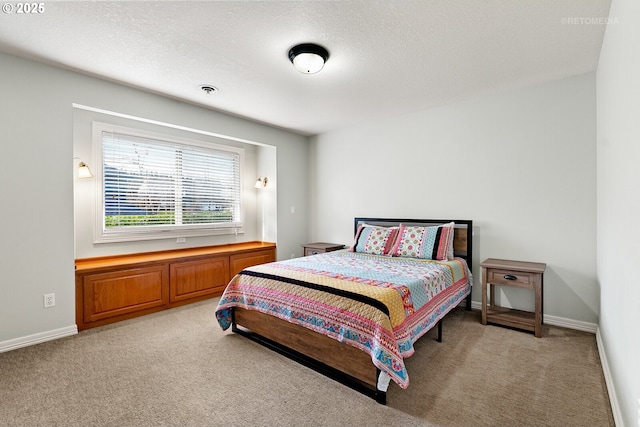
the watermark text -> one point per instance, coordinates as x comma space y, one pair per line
23, 8
589, 20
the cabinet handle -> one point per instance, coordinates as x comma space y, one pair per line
510, 277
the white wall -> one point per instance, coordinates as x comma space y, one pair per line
37, 122
618, 93
520, 164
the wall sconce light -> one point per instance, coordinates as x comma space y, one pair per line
84, 171
261, 182
308, 58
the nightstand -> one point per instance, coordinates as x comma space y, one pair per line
319, 248
520, 274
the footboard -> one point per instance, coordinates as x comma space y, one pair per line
339, 361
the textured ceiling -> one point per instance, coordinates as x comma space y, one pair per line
386, 57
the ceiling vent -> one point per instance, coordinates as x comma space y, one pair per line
208, 89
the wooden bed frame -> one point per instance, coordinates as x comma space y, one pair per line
341, 362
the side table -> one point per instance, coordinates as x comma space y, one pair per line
520, 274
319, 248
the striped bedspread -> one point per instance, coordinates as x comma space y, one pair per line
378, 304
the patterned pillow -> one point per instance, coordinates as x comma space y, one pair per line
434, 243
374, 240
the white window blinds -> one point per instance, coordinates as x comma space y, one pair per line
154, 185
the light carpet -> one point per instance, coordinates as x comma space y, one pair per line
178, 368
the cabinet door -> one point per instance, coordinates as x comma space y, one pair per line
119, 293
238, 262
200, 278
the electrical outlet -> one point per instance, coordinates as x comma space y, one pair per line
181, 239
49, 300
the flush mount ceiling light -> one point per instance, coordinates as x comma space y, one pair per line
308, 58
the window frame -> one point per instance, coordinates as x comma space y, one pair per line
141, 233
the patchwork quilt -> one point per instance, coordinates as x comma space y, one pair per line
379, 304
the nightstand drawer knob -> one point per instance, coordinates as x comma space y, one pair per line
510, 277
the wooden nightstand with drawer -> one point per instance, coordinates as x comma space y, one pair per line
520, 274
319, 248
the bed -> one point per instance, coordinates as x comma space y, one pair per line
354, 314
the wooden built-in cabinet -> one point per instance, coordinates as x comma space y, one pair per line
110, 289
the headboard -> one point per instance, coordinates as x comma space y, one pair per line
462, 234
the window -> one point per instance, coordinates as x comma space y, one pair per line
156, 186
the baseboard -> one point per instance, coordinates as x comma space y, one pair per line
37, 338
613, 398
570, 324
557, 321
